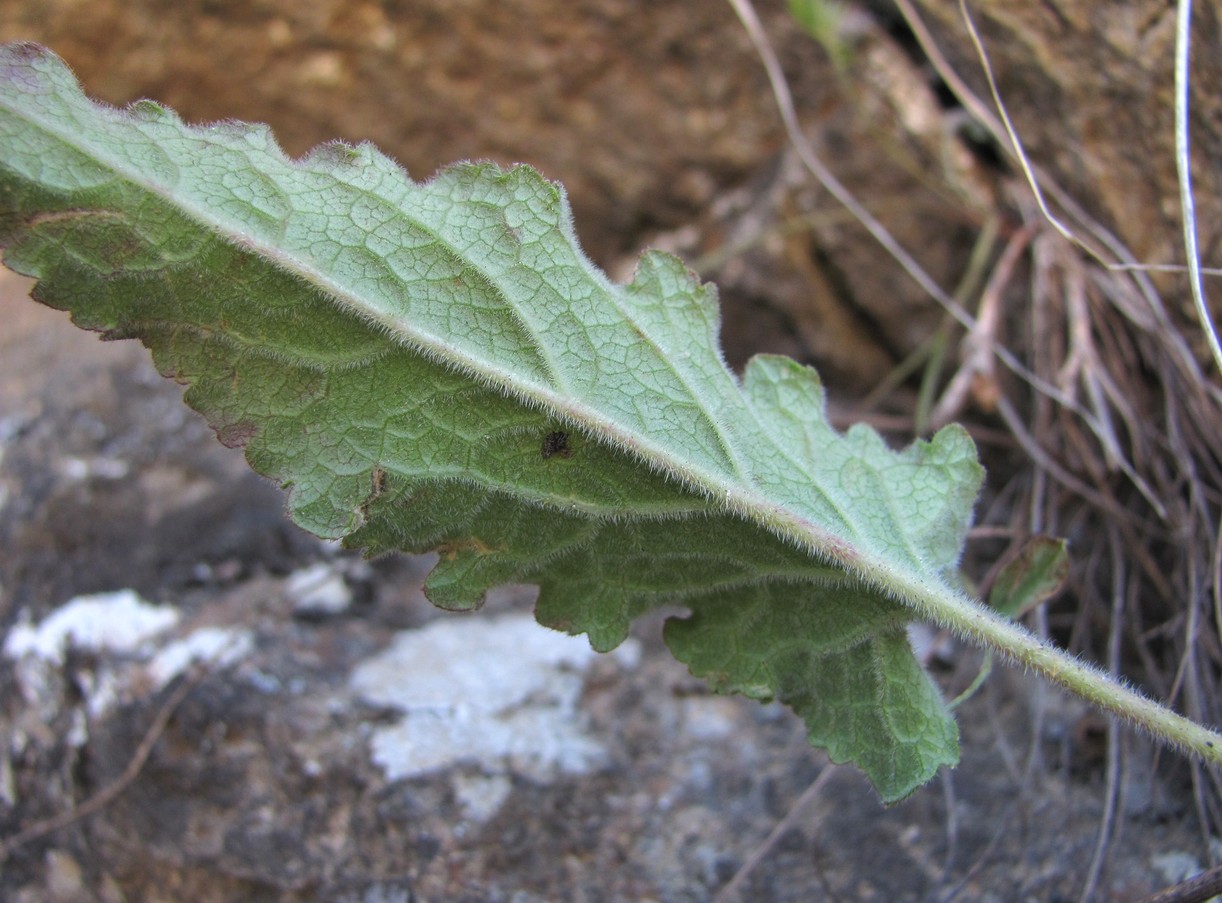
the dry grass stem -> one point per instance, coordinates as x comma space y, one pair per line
1183, 163
111, 791
731, 890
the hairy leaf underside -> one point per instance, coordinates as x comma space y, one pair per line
437, 366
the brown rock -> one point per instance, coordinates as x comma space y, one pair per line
1090, 89
642, 115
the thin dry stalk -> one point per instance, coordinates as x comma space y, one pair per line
113, 790
977, 369
1203, 887
734, 886
1114, 744
1183, 164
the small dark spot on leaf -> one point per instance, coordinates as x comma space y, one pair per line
556, 443
377, 479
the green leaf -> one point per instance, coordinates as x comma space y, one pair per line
1036, 573
437, 366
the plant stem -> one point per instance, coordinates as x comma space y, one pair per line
980, 625
936, 602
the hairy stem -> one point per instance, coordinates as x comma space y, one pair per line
983, 627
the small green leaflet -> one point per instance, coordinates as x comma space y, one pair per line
437, 366
1036, 573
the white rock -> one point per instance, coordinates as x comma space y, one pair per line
1176, 865
318, 590
119, 622
219, 646
108, 622
501, 692
481, 796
